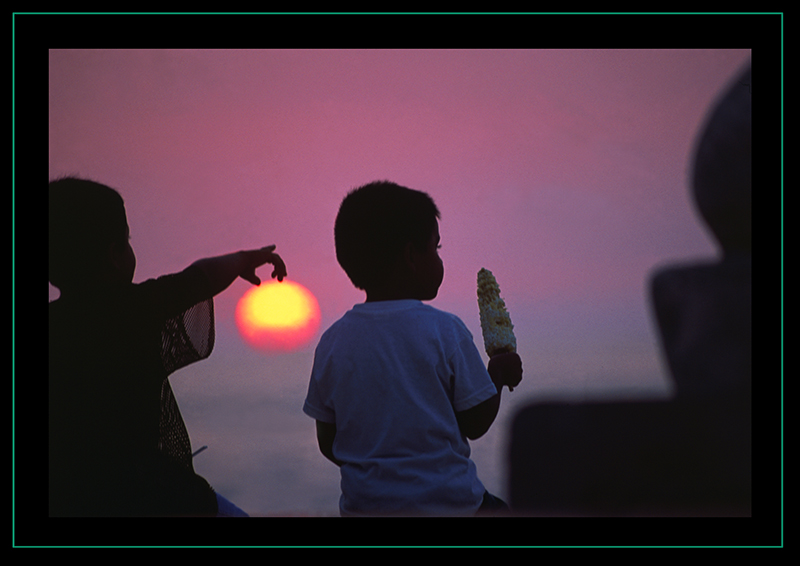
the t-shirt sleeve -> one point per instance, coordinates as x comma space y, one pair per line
315, 405
471, 383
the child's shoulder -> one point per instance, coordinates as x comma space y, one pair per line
435, 311
445, 321
400, 312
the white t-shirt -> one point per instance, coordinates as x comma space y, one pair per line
391, 375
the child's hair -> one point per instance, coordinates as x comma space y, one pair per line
374, 224
85, 217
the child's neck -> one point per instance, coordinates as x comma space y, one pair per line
390, 293
371, 299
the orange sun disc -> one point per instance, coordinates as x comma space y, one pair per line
278, 316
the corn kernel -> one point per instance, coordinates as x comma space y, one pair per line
498, 332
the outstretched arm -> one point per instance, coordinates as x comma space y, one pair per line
504, 369
223, 270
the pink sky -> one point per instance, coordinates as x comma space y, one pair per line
563, 172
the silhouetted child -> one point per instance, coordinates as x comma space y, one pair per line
118, 444
398, 387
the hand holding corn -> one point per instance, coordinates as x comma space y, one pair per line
498, 332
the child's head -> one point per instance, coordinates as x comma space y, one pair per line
375, 226
722, 167
88, 234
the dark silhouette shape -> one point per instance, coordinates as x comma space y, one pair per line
397, 386
637, 458
703, 310
690, 455
723, 166
117, 442
374, 224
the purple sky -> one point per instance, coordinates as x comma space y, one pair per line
563, 172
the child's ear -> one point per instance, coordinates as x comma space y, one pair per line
120, 259
113, 254
410, 256
107, 261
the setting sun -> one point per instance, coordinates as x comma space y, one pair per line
278, 316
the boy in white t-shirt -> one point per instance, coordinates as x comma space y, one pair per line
398, 386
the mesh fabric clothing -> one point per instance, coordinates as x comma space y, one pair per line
186, 338
118, 445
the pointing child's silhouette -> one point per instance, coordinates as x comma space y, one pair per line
118, 444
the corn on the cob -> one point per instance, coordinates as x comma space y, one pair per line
498, 332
